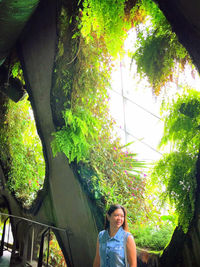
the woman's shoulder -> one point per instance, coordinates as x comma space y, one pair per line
101, 233
127, 234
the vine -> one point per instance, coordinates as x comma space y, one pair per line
158, 50
176, 171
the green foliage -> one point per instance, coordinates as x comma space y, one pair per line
56, 257
176, 171
119, 176
91, 80
77, 136
182, 118
158, 49
157, 56
21, 148
153, 238
106, 21
17, 71
153, 13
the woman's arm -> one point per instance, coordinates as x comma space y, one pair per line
131, 252
97, 256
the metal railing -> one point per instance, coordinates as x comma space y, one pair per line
44, 234
3, 237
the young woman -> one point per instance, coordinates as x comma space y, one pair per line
111, 242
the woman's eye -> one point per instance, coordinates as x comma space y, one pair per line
121, 216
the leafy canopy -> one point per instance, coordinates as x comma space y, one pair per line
158, 51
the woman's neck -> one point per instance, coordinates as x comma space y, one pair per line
112, 231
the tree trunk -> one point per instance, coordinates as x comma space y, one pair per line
63, 203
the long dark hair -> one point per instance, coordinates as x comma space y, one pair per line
110, 211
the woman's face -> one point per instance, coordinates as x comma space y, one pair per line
116, 218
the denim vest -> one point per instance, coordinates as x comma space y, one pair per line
111, 249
